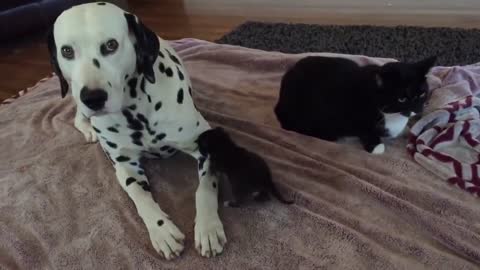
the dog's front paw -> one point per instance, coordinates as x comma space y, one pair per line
86, 129
166, 238
209, 235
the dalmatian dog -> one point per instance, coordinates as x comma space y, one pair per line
134, 96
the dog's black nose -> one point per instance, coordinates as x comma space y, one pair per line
93, 98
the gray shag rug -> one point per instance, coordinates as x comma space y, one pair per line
454, 46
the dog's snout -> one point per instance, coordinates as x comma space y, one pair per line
94, 99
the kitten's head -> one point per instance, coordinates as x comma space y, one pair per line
403, 86
215, 141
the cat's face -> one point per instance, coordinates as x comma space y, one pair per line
403, 87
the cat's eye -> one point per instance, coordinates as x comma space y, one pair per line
67, 52
109, 47
402, 100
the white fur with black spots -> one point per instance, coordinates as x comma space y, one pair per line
133, 95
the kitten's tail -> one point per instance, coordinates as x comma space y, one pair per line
279, 196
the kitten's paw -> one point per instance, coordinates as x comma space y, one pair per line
379, 149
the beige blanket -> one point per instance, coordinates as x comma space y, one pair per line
61, 206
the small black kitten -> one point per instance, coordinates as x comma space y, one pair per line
247, 173
330, 98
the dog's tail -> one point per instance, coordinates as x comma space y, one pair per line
278, 195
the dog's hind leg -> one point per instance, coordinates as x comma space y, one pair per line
165, 236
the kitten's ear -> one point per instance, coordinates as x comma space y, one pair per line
426, 64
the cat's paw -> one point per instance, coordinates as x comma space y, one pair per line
379, 149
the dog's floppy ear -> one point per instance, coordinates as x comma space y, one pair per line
52, 49
146, 48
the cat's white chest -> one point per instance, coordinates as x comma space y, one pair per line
395, 123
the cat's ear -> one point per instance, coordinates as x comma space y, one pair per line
386, 73
424, 66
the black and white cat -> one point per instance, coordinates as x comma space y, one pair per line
331, 98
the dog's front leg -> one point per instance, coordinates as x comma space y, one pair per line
165, 236
85, 127
209, 234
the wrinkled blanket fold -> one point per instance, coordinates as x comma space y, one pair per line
61, 206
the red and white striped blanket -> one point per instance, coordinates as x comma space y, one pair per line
446, 140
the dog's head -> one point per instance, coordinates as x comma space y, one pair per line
95, 49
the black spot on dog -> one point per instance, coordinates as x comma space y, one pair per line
96, 63
132, 83
161, 67
158, 106
126, 77
124, 89
137, 135
96, 130
161, 54
144, 185
111, 144
164, 148
109, 84
201, 161
161, 136
171, 150
132, 107
112, 129
155, 124
169, 72
180, 129
190, 91
122, 158
133, 92
203, 174
141, 172
180, 74
130, 180
173, 57
180, 96
149, 98
142, 85
214, 185
133, 163
132, 122
198, 123
136, 138
142, 118
101, 3
160, 222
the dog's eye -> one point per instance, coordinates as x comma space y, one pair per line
67, 52
402, 100
109, 47
422, 95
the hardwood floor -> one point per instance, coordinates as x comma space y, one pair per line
24, 63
